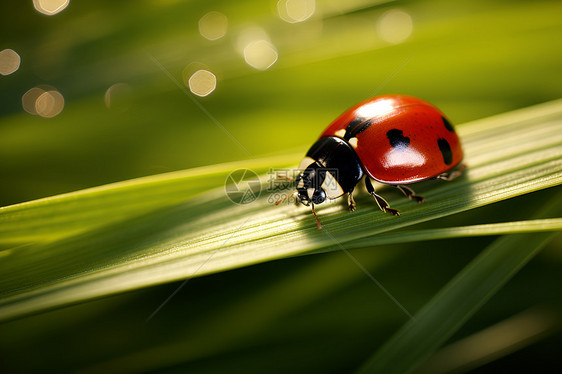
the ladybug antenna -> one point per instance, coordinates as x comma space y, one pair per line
284, 177
285, 198
318, 224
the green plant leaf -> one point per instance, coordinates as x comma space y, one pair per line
409, 236
443, 315
119, 250
63, 215
494, 342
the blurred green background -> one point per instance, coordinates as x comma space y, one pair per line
472, 59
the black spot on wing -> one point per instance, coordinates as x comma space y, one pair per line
355, 127
448, 124
397, 139
445, 149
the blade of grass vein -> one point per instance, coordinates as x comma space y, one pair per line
499, 123
543, 131
480, 131
445, 313
62, 215
529, 139
414, 236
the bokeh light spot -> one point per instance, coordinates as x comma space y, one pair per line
118, 96
43, 100
49, 104
260, 54
248, 35
29, 98
213, 25
191, 68
9, 61
202, 83
50, 7
294, 11
395, 26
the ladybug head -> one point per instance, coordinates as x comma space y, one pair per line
309, 184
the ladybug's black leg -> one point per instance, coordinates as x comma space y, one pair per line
383, 205
452, 175
350, 202
318, 224
410, 194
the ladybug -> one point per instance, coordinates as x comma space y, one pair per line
392, 139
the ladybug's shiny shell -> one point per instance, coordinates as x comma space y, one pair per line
399, 139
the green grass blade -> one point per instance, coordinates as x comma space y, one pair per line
443, 315
211, 234
63, 215
515, 227
494, 342
58, 216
